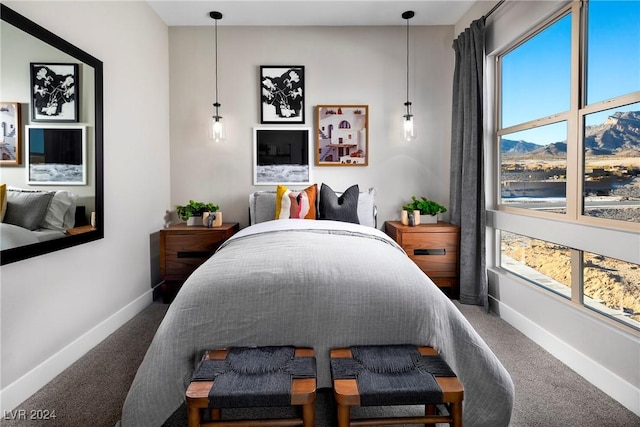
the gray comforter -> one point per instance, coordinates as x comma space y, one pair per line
321, 284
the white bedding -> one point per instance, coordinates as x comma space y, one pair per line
322, 284
12, 236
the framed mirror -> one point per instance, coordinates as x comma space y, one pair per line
30, 50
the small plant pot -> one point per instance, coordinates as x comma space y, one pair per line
194, 221
428, 219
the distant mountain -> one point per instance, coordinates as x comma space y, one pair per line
618, 135
508, 146
552, 150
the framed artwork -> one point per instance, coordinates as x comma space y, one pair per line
282, 94
56, 155
10, 134
54, 92
281, 155
342, 135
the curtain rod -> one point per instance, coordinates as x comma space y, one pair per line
493, 9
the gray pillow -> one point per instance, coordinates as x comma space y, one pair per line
343, 208
27, 209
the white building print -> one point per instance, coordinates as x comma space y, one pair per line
342, 135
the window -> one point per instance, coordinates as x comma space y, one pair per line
543, 263
568, 148
541, 146
611, 286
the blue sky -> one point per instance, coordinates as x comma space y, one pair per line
541, 88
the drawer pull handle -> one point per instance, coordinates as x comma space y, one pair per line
429, 251
193, 254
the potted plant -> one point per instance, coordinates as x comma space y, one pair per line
427, 210
192, 212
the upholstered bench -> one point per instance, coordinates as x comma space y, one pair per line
395, 375
243, 377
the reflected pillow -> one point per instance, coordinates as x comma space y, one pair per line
62, 211
300, 205
343, 208
27, 208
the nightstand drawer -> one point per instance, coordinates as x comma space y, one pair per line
183, 249
429, 241
432, 264
181, 245
444, 282
434, 248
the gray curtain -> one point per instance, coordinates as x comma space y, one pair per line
467, 163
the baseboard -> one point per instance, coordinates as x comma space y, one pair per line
21, 389
627, 394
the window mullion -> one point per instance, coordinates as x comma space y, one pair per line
577, 273
574, 137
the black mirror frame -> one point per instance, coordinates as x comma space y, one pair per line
8, 256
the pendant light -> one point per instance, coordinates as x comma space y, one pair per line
216, 128
408, 129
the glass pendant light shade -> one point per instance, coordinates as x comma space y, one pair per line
216, 132
408, 130
216, 127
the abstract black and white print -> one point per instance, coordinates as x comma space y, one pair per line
281, 156
282, 94
54, 92
56, 155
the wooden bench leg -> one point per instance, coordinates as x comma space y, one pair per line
429, 410
456, 414
344, 415
308, 415
216, 414
194, 416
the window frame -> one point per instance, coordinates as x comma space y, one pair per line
574, 118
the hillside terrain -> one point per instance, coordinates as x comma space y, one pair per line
615, 283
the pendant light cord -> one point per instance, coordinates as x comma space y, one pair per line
407, 60
216, 57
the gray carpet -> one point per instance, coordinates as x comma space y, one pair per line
92, 390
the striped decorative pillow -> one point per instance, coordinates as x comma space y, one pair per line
300, 205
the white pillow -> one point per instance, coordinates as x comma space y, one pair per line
62, 211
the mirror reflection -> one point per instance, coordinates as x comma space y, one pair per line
51, 141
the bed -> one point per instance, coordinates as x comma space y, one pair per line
34, 216
317, 283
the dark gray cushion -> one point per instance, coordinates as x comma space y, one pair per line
26, 208
343, 208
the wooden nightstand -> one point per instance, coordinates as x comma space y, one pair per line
434, 248
183, 248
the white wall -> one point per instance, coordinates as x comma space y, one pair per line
343, 65
57, 306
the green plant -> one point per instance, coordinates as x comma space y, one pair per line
195, 209
425, 206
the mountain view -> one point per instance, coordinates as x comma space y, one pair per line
619, 135
537, 173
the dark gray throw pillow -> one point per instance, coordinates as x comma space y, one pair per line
27, 209
343, 208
